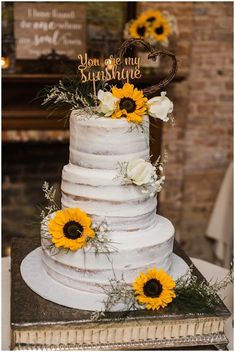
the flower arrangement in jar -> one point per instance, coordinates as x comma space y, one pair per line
157, 27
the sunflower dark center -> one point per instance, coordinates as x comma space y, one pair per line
159, 30
73, 230
128, 104
152, 288
151, 19
141, 30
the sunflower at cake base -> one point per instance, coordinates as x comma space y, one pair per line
151, 290
70, 228
154, 289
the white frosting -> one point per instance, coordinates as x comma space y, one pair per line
98, 142
92, 177
107, 136
142, 239
135, 251
103, 161
114, 193
108, 208
36, 277
88, 181
101, 194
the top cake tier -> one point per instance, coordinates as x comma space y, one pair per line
100, 143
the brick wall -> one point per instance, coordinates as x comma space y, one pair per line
208, 136
200, 145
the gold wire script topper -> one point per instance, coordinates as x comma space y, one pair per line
108, 69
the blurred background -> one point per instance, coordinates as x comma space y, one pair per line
197, 196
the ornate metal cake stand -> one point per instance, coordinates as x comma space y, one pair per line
40, 324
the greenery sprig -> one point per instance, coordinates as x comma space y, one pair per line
70, 93
141, 128
118, 292
192, 296
101, 242
161, 162
198, 297
66, 94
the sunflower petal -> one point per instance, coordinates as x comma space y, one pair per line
128, 90
117, 92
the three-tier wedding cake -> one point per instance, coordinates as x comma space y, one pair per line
141, 239
106, 236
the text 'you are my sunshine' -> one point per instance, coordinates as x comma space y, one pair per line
111, 68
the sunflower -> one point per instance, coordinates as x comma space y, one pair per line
151, 16
154, 289
131, 103
160, 30
138, 28
70, 228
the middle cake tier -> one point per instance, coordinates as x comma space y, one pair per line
103, 196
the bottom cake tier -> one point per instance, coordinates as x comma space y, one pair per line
89, 273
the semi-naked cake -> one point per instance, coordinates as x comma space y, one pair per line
106, 235
141, 238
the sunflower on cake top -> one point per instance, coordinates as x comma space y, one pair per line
129, 102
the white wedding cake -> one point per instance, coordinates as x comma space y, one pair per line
105, 248
141, 239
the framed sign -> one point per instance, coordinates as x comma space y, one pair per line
41, 27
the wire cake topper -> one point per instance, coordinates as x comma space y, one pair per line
153, 54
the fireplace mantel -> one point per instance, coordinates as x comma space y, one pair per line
22, 109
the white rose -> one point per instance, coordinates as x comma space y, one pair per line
160, 107
107, 102
140, 171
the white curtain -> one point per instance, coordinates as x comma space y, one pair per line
220, 227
